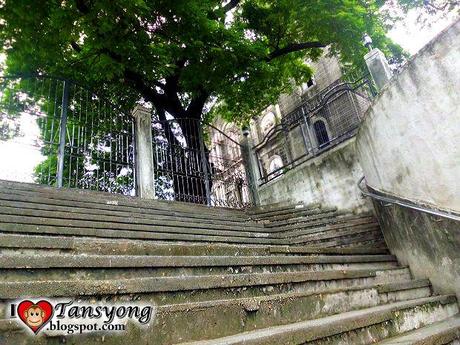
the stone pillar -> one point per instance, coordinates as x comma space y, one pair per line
144, 153
378, 67
250, 165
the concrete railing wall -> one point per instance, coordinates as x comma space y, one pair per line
409, 143
409, 147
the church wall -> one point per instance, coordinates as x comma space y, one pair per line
329, 179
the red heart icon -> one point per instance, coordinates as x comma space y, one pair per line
35, 315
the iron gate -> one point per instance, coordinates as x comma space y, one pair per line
75, 138
196, 162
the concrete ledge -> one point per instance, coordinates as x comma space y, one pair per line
66, 288
301, 332
132, 261
436, 334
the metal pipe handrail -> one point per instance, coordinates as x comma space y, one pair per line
393, 200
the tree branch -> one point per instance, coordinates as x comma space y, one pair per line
75, 46
294, 48
195, 108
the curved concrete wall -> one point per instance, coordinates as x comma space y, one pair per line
409, 143
409, 146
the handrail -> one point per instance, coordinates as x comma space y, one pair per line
393, 200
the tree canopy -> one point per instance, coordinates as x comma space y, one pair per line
187, 57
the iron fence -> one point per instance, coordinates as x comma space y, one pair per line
316, 125
73, 137
196, 162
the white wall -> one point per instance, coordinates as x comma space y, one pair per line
409, 142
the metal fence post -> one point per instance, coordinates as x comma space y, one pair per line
63, 133
204, 163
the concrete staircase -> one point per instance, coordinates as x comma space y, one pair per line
282, 274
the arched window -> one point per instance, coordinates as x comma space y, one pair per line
322, 137
275, 163
267, 123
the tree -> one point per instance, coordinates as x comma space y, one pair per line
189, 58
184, 56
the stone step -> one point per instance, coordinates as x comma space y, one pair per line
37, 225
367, 238
120, 221
314, 215
332, 233
326, 229
127, 261
193, 236
257, 312
287, 213
394, 290
33, 244
40, 203
213, 319
300, 213
439, 333
23, 220
359, 327
276, 205
210, 286
305, 250
279, 207
95, 197
44, 267
323, 225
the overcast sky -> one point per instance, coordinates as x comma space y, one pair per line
412, 35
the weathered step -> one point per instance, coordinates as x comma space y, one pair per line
17, 226
303, 250
117, 261
94, 197
78, 208
33, 244
323, 225
333, 234
263, 282
300, 213
312, 216
439, 333
288, 213
367, 238
116, 221
45, 267
277, 207
212, 319
359, 327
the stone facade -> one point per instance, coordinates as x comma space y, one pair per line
302, 125
315, 116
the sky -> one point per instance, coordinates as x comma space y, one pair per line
19, 157
412, 35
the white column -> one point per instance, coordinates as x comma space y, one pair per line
145, 170
378, 67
